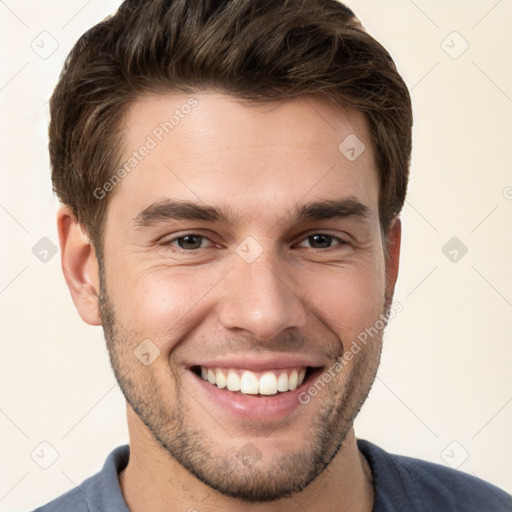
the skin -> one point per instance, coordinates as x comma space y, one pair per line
260, 163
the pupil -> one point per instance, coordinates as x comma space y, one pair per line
190, 242
320, 241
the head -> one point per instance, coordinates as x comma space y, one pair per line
232, 175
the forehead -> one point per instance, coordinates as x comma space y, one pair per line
216, 149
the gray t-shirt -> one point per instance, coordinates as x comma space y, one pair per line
401, 484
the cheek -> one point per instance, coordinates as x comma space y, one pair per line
164, 304
347, 301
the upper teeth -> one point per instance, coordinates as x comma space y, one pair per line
251, 383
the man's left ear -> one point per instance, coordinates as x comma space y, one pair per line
393, 255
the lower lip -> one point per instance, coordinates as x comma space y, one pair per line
254, 407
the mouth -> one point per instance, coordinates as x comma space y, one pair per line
266, 383
261, 388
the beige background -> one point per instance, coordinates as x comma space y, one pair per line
444, 391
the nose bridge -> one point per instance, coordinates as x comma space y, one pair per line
258, 296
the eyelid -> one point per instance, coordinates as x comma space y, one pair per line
176, 236
170, 241
170, 237
342, 241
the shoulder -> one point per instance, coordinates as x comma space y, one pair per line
99, 492
424, 486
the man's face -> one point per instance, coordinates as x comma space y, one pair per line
246, 247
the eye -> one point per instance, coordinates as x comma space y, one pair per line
190, 242
322, 241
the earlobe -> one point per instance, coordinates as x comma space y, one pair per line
393, 255
79, 265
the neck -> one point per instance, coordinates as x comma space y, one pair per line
153, 480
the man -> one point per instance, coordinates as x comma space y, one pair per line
232, 175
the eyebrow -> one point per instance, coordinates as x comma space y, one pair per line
169, 209
333, 209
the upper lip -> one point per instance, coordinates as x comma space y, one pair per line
260, 361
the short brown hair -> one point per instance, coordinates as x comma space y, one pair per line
256, 50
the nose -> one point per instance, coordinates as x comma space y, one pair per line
259, 299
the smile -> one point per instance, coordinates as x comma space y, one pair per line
247, 382
253, 387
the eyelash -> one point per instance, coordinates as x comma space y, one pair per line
340, 242
179, 249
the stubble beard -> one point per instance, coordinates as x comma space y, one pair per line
245, 478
